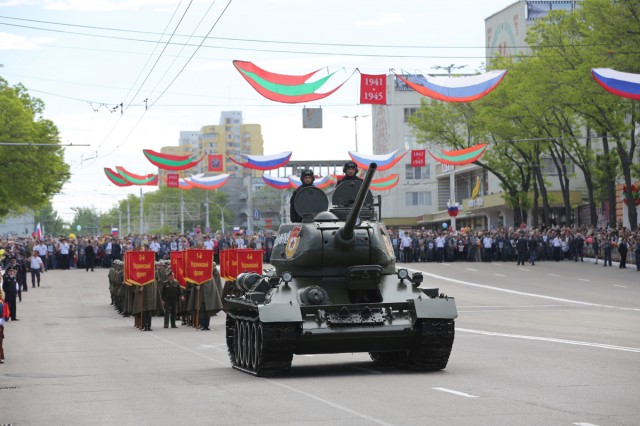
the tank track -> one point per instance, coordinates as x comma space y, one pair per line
261, 349
430, 351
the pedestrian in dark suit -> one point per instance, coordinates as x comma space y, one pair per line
171, 293
89, 256
10, 289
623, 248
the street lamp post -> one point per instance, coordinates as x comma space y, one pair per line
448, 68
355, 122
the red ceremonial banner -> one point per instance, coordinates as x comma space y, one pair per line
237, 261
139, 267
173, 180
198, 266
373, 89
177, 266
418, 158
215, 162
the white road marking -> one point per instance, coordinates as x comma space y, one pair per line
501, 275
524, 269
522, 293
554, 275
466, 395
584, 424
471, 269
621, 286
553, 340
584, 279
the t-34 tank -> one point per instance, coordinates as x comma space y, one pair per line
335, 288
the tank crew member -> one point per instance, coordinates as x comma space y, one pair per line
350, 171
171, 292
307, 179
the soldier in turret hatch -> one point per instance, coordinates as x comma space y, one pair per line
350, 171
307, 179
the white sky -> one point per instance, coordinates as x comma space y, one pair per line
81, 77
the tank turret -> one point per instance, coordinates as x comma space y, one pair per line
334, 288
330, 241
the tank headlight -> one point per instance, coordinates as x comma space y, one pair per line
403, 274
287, 277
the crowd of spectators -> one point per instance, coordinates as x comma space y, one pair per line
519, 245
502, 245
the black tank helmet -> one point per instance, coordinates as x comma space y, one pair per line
349, 165
307, 172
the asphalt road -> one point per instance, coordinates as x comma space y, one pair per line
550, 344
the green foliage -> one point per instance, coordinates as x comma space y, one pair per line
31, 175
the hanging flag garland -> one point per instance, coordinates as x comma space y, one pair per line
283, 88
458, 89
276, 182
619, 83
142, 180
171, 162
384, 161
385, 183
461, 156
264, 162
210, 182
115, 178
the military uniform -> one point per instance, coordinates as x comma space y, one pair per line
171, 293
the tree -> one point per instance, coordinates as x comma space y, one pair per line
31, 174
49, 220
88, 219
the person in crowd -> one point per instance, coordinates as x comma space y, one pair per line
89, 256
578, 248
307, 179
532, 244
41, 248
406, 247
595, 247
10, 289
1, 327
607, 248
64, 254
36, 265
637, 251
522, 245
623, 248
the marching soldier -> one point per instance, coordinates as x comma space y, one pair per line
171, 293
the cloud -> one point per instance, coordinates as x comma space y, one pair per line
385, 20
15, 42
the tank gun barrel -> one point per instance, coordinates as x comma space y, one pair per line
346, 232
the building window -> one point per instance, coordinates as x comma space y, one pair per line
409, 112
549, 167
420, 198
417, 173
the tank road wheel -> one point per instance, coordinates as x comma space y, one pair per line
432, 346
262, 349
252, 347
246, 347
389, 359
238, 342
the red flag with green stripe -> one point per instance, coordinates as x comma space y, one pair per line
171, 162
461, 156
290, 89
